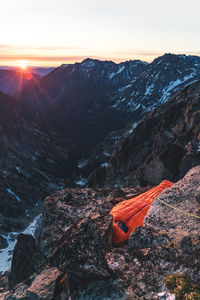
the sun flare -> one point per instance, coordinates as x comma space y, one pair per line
22, 64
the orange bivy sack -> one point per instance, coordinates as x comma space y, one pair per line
129, 214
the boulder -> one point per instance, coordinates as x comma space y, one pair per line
22, 266
182, 195
44, 285
80, 228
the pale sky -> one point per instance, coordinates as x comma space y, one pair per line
52, 32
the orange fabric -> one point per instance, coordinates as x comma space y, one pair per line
133, 211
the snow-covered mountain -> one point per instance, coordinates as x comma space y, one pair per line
75, 98
163, 78
86, 101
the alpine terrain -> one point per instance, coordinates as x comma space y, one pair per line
100, 176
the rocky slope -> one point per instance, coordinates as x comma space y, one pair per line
165, 145
74, 259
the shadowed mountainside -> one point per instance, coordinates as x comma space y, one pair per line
32, 164
165, 145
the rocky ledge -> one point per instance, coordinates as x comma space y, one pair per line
73, 258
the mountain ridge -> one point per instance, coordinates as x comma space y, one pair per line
82, 93
162, 146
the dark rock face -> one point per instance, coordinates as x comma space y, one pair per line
3, 242
165, 145
22, 262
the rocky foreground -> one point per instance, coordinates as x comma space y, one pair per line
72, 256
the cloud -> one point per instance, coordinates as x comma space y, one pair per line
138, 52
56, 55
47, 48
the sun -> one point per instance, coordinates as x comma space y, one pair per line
22, 64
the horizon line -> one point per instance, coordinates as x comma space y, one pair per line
56, 61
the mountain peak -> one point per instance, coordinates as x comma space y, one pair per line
89, 62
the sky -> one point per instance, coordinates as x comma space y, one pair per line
52, 32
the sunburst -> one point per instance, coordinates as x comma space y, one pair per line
22, 64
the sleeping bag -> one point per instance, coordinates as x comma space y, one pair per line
129, 214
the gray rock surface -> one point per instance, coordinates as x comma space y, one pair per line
183, 195
80, 228
44, 285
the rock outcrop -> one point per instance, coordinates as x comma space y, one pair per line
22, 261
183, 196
76, 242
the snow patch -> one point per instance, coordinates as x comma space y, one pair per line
13, 194
173, 85
81, 181
106, 154
88, 63
115, 73
82, 163
105, 164
130, 130
118, 102
149, 89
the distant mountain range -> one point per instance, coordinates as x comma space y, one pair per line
13, 79
86, 101
75, 99
163, 78
37, 70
